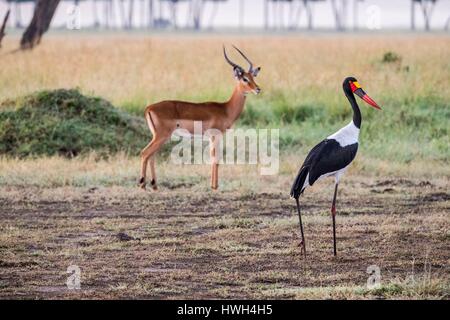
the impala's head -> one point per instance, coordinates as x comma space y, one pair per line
246, 79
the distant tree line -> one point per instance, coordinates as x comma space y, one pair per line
274, 14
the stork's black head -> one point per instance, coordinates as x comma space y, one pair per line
351, 85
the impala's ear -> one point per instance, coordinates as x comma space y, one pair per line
238, 73
256, 71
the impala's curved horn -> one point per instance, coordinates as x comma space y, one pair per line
234, 65
247, 59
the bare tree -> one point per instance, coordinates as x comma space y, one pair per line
2, 29
151, 14
197, 7
42, 17
130, 14
339, 10
427, 10
427, 7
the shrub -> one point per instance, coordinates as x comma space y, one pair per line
65, 122
391, 57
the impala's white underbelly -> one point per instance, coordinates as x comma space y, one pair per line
183, 133
195, 129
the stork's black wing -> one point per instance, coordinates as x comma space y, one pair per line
332, 157
326, 157
297, 186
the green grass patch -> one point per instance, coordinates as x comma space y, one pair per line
406, 129
391, 57
65, 122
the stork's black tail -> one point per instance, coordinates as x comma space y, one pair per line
299, 182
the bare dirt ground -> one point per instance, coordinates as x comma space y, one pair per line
225, 244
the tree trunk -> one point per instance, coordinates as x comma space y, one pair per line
131, 14
42, 17
198, 6
2, 28
151, 14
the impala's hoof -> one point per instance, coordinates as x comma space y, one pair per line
154, 186
142, 183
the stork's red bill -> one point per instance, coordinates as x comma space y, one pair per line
356, 89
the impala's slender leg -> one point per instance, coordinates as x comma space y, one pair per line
213, 178
144, 162
153, 172
216, 175
212, 153
333, 215
147, 153
213, 145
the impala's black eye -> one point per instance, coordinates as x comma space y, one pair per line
245, 79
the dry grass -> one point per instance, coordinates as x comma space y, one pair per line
145, 69
240, 243
122, 170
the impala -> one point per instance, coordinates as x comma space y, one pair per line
163, 118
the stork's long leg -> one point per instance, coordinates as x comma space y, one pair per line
333, 215
303, 244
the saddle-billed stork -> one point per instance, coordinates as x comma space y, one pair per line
332, 156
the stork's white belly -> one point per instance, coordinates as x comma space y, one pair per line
337, 176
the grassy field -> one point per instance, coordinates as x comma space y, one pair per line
301, 80
242, 241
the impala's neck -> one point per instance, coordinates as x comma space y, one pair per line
236, 103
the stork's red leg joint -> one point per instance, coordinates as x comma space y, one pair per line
333, 210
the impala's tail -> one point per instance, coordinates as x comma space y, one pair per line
149, 119
299, 183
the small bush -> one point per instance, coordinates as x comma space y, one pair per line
65, 122
391, 57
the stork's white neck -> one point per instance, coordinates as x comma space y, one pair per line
347, 135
